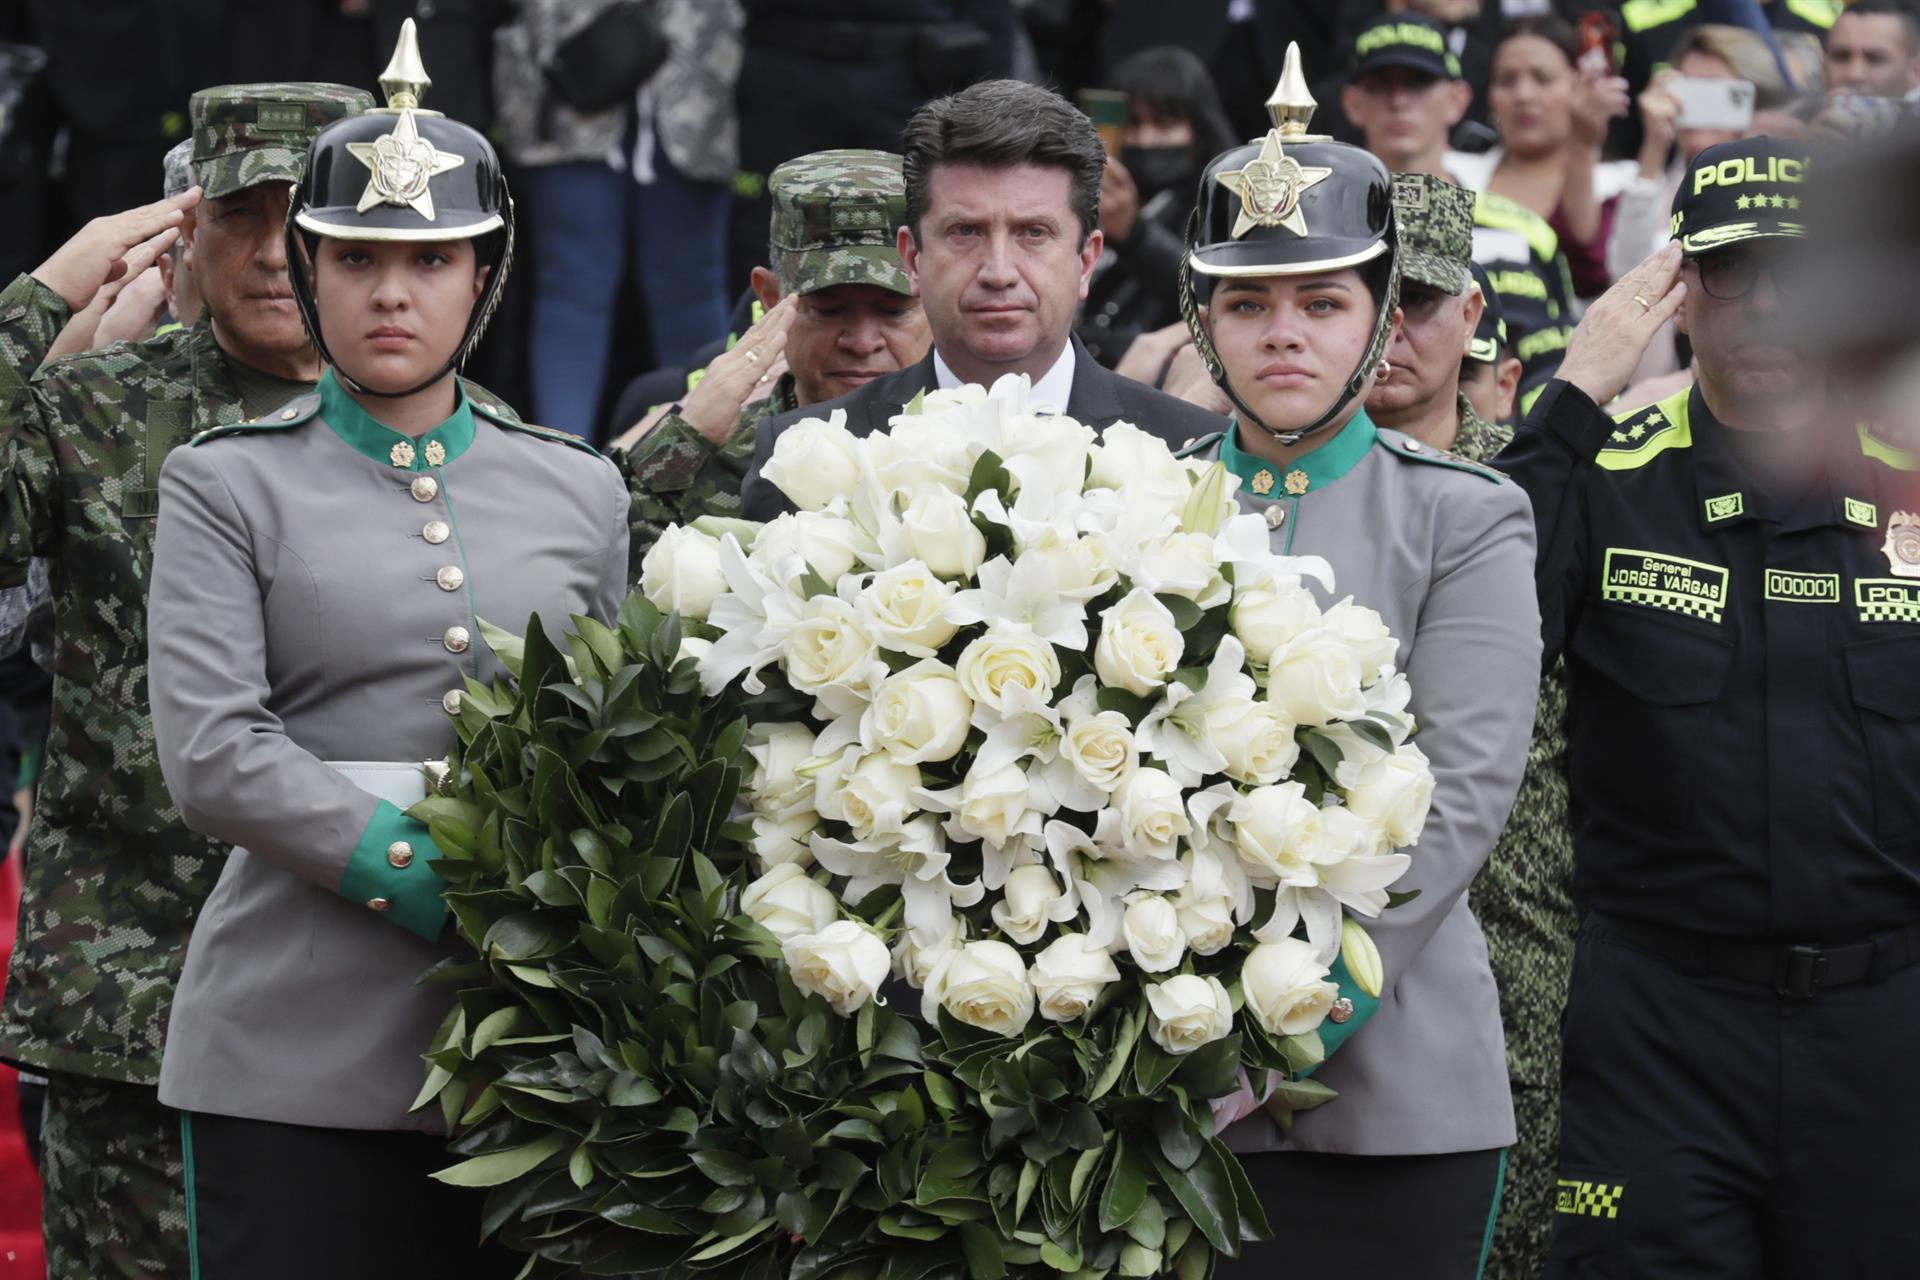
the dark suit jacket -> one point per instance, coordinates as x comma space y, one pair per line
1099, 398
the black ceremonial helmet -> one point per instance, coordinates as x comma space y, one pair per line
1291, 204
402, 173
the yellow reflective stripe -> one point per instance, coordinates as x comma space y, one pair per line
1880, 451
1638, 15
1678, 434
1820, 13
1502, 214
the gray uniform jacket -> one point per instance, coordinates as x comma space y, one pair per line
317, 581
1442, 548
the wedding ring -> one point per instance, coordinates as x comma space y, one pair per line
1644, 306
753, 357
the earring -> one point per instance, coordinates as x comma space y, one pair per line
1382, 371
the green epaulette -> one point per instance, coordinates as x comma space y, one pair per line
1405, 446
1199, 444
295, 412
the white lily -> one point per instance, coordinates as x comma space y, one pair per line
754, 618
1025, 591
1103, 876
1175, 730
917, 863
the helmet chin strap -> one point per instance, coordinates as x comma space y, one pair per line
482, 312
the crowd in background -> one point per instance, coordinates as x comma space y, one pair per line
643, 218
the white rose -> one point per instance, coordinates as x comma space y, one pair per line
1255, 737
1394, 791
1188, 1011
681, 573
824, 543
828, 649
1056, 442
1264, 618
983, 984
1348, 835
783, 839
1100, 748
1205, 919
815, 461
1366, 633
875, 799
844, 963
1153, 816
1026, 903
904, 608
1141, 467
1081, 568
940, 533
992, 805
917, 955
1277, 832
1069, 975
778, 751
786, 901
1315, 678
1139, 645
920, 715
1151, 928
1286, 987
1006, 657
916, 452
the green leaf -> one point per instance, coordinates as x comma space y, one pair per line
1139, 1261
989, 472
1186, 614
724, 1168
1126, 1188
1206, 1193
496, 1167
1121, 1054
941, 1090
985, 1260
723, 1247
501, 1022
580, 1166
1325, 751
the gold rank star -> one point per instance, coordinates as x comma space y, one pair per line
403, 164
1269, 188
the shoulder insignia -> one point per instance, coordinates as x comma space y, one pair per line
1643, 434
1199, 444
296, 412
1405, 446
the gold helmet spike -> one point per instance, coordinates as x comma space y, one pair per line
405, 81
1292, 105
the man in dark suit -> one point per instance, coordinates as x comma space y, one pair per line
1001, 235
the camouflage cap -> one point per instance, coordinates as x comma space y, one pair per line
244, 134
836, 219
176, 168
1436, 231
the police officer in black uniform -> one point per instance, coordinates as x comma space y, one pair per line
1733, 575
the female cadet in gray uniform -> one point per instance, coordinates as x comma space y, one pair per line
1297, 262
317, 584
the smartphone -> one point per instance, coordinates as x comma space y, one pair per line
1107, 108
1599, 40
1712, 104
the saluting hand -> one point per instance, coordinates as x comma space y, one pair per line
97, 253
128, 305
1613, 335
735, 379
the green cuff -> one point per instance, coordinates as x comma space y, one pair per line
1334, 1034
390, 866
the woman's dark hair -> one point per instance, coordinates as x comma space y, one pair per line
1171, 83
1552, 28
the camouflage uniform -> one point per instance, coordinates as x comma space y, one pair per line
1522, 897
112, 878
836, 215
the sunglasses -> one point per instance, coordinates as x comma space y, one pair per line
1731, 275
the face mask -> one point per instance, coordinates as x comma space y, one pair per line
1157, 169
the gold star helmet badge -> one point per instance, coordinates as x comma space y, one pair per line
403, 165
1269, 188
1270, 184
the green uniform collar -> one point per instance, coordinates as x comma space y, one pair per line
388, 447
1306, 473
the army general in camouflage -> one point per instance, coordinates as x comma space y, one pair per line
1523, 896
113, 879
840, 312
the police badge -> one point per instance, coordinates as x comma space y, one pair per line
1902, 546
